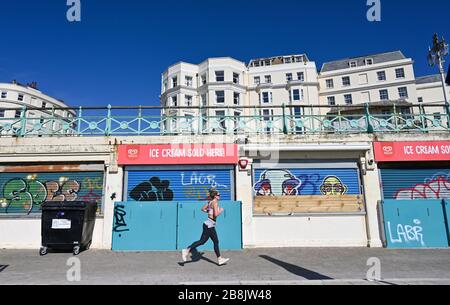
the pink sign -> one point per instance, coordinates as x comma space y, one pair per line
171, 154
412, 151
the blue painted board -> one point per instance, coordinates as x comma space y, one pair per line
145, 226
415, 224
229, 225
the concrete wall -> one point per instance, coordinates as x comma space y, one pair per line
316, 230
25, 233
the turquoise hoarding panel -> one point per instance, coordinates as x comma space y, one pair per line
447, 218
145, 226
414, 224
229, 225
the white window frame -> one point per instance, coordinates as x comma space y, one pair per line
300, 95
353, 64
269, 96
257, 80
20, 97
217, 96
268, 79
289, 77
381, 95
204, 79
189, 81
369, 61
174, 101
238, 95
406, 92
217, 74
4, 94
301, 76
328, 82
349, 81
236, 78
402, 72
331, 98
381, 73
188, 100
174, 81
346, 100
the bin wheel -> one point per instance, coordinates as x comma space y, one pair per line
76, 250
88, 246
43, 251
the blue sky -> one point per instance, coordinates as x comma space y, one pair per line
117, 53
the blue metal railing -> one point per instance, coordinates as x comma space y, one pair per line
156, 121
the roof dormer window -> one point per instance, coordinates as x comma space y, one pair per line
353, 64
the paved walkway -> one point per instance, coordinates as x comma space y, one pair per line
311, 266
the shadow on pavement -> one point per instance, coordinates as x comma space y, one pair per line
297, 270
196, 257
3, 267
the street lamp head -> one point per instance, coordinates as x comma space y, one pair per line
431, 58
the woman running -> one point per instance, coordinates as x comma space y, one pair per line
209, 228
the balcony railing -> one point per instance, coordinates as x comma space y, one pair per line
287, 120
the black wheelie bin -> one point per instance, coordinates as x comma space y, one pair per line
67, 226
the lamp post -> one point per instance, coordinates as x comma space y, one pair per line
436, 56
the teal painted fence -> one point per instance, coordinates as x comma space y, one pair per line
171, 226
229, 225
415, 224
143, 226
447, 217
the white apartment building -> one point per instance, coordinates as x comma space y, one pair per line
229, 84
381, 80
371, 79
40, 109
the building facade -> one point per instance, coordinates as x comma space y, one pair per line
25, 102
232, 87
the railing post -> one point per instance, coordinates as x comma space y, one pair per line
447, 109
108, 122
200, 121
395, 118
369, 121
285, 127
140, 120
53, 120
422, 117
23, 122
80, 114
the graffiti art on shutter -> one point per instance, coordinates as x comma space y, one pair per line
438, 187
183, 185
333, 186
284, 182
25, 193
277, 183
153, 190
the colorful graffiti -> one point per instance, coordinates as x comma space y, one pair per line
283, 182
183, 185
277, 183
26, 194
435, 188
333, 186
153, 190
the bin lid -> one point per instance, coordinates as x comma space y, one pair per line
62, 205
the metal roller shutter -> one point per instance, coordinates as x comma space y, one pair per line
178, 184
414, 183
306, 181
23, 193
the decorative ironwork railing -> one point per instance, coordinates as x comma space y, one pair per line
289, 120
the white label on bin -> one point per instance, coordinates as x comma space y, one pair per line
61, 224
